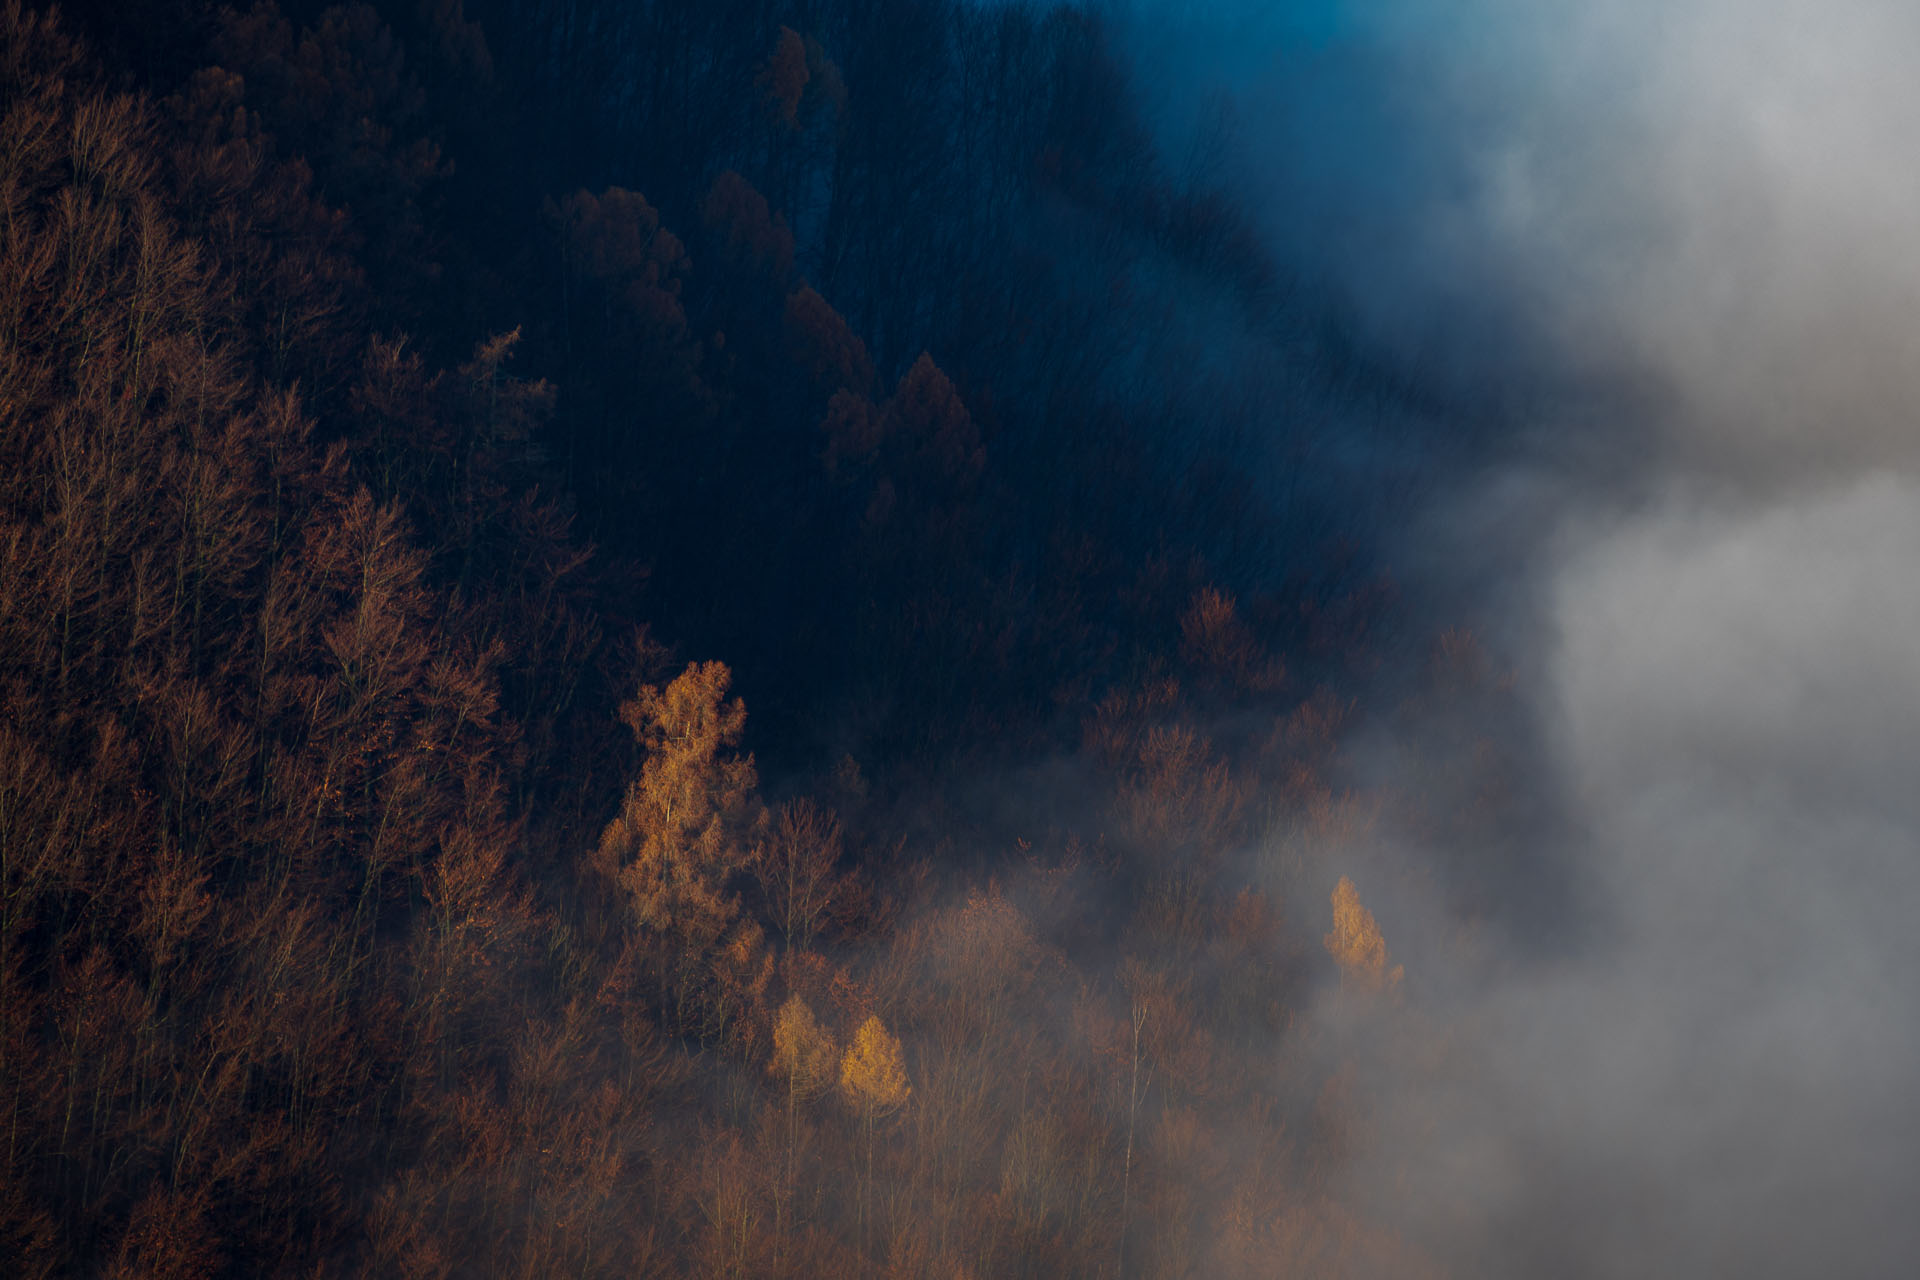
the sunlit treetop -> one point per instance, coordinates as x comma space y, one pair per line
1356, 943
873, 1074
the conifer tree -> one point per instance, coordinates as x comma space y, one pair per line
873, 1076
803, 1061
687, 824
1356, 943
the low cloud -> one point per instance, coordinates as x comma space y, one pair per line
1686, 238
1721, 1081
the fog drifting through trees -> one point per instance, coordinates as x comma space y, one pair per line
913, 638
1687, 234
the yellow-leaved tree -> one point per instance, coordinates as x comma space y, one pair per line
803, 1058
873, 1076
1356, 943
687, 823
803, 1052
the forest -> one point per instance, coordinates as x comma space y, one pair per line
693, 638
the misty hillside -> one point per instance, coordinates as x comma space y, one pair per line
920, 638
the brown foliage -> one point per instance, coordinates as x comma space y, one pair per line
236, 744
615, 240
339, 94
1216, 643
295, 658
826, 347
798, 870
299, 293
785, 76
755, 237
168, 1238
927, 418
626, 325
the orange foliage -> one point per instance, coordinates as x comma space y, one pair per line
299, 689
804, 1055
1356, 943
873, 1074
1216, 642
687, 822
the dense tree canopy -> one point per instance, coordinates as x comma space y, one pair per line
389, 390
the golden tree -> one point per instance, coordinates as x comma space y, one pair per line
872, 1072
681, 826
687, 823
803, 1059
1356, 942
873, 1076
803, 1051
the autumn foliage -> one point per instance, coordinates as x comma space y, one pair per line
404, 492
1356, 945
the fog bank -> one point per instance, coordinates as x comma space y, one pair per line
1684, 238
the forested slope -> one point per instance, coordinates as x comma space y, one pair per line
420, 426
